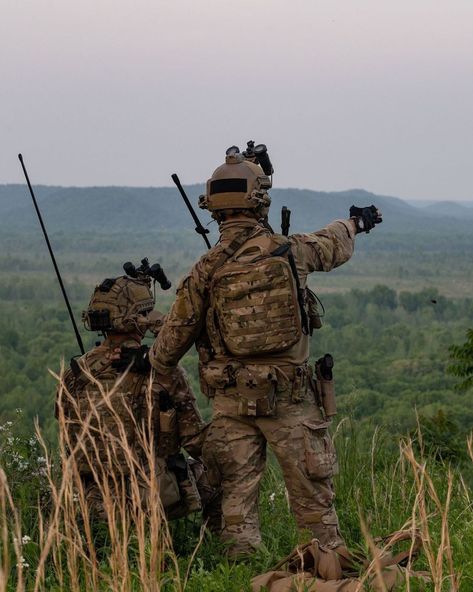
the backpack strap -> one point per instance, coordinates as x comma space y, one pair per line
232, 248
285, 249
300, 292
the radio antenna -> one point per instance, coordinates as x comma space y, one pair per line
53, 259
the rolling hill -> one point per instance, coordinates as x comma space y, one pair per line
132, 209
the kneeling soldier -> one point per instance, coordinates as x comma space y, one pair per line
118, 421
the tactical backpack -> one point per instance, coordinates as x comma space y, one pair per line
256, 305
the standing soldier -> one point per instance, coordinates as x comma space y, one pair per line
247, 307
115, 417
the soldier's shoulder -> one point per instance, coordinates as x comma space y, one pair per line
202, 269
92, 362
208, 259
94, 357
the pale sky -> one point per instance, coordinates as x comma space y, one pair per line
373, 94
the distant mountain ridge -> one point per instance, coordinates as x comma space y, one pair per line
117, 209
451, 209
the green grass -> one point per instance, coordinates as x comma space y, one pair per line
376, 482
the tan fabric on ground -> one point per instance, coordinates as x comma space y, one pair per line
314, 568
280, 582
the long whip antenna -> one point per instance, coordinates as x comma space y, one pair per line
66, 299
198, 224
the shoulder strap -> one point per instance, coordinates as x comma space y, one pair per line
232, 248
281, 251
300, 292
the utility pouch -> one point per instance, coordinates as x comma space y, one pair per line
326, 385
326, 389
320, 455
315, 321
256, 386
179, 465
168, 489
168, 441
215, 376
299, 385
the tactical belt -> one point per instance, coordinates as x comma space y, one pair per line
287, 374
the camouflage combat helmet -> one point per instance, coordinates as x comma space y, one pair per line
237, 184
120, 305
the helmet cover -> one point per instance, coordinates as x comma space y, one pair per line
237, 184
120, 305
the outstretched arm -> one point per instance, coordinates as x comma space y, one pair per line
333, 245
324, 249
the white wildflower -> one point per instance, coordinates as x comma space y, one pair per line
41, 460
26, 539
75, 498
23, 563
272, 497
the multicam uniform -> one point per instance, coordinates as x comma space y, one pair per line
126, 411
258, 398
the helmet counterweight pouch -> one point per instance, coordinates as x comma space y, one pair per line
99, 320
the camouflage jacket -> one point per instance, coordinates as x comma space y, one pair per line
132, 392
186, 323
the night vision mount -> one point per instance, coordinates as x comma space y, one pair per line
154, 272
257, 154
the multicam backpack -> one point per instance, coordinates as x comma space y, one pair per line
254, 298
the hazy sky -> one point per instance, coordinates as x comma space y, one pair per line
375, 94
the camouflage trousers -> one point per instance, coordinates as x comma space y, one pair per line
235, 455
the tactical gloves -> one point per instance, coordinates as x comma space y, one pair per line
134, 357
365, 218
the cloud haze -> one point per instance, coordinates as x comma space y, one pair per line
373, 94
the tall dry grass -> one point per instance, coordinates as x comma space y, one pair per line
133, 550
431, 495
133, 527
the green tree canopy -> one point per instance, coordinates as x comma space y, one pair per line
462, 366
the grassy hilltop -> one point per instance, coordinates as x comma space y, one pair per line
391, 315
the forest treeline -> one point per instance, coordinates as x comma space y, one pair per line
392, 311
391, 353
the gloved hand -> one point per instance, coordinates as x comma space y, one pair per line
136, 356
365, 218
